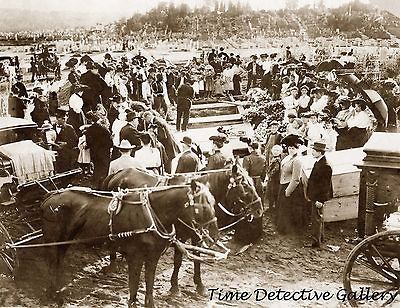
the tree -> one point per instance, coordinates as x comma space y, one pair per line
291, 5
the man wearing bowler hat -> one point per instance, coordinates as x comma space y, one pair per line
187, 161
319, 190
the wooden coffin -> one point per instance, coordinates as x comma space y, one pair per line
345, 181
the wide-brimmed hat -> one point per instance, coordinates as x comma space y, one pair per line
125, 145
319, 146
71, 62
187, 140
219, 138
62, 111
86, 58
292, 140
38, 90
305, 87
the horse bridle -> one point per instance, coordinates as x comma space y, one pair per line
247, 206
200, 229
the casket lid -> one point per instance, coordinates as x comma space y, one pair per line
383, 151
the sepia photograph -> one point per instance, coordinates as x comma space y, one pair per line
200, 153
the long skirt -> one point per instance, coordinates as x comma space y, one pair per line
290, 210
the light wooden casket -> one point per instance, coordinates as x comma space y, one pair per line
345, 181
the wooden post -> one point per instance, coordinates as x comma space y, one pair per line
362, 204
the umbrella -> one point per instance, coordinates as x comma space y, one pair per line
329, 65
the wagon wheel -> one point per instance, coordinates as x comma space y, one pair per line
8, 256
375, 264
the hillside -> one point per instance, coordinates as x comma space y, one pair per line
352, 21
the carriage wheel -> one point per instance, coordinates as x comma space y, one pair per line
374, 265
8, 256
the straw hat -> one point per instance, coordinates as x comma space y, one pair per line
319, 146
125, 145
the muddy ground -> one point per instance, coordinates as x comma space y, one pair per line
274, 262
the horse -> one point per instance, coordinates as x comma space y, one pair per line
139, 224
235, 196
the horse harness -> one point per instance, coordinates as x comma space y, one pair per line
115, 206
156, 225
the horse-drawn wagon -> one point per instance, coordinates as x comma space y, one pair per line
374, 264
140, 223
81, 215
26, 173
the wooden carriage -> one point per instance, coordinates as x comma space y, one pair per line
374, 264
345, 181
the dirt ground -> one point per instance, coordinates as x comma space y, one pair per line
274, 263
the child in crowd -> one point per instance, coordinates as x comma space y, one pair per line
330, 136
315, 130
84, 152
272, 178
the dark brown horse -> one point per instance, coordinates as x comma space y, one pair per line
233, 191
142, 228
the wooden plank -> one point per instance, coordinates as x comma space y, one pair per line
345, 175
346, 184
223, 118
343, 208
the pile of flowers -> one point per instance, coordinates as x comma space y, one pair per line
262, 111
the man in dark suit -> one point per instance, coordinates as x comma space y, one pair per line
95, 87
185, 95
319, 190
188, 161
130, 130
255, 164
105, 66
254, 71
170, 83
99, 141
66, 143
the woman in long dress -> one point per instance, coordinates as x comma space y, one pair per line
291, 200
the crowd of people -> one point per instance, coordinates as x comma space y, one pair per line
118, 111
